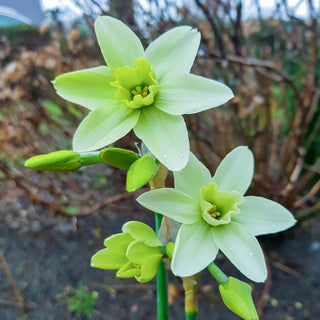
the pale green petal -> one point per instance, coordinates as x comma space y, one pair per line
103, 126
192, 178
118, 242
172, 203
262, 216
235, 172
141, 232
149, 268
173, 53
166, 137
118, 43
194, 249
107, 259
188, 93
89, 87
138, 252
129, 270
242, 249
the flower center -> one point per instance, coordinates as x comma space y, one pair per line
136, 87
218, 207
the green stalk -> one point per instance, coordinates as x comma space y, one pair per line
191, 316
217, 273
162, 282
162, 276
90, 158
190, 285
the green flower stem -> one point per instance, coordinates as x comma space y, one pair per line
162, 276
191, 316
90, 158
190, 285
217, 273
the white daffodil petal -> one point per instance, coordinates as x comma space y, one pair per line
192, 178
194, 249
186, 94
172, 203
242, 249
89, 87
173, 53
166, 136
262, 216
118, 43
235, 172
103, 126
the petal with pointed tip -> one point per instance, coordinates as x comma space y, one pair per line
141, 232
118, 43
186, 94
242, 249
103, 126
149, 268
194, 249
166, 136
173, 53
262, 216
89, 87
192, 178
172, 203
235, 172
138, 252
107, 259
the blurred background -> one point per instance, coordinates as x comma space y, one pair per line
268, 52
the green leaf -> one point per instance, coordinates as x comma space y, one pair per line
140, 173
89, 87
166, 137
69, 210
118, 43
187, 94
58, 161
173, 53
104, 126
52, 108
235, 172
118, 158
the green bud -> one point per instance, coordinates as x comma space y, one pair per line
141, 172
59, 161
136, 252
169, 249
236, 295
118, 158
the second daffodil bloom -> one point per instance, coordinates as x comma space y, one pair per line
147, 91
215, 215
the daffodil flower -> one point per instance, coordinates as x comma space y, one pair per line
147, 91
215, 214
136, 252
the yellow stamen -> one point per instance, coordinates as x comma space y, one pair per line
213, 213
